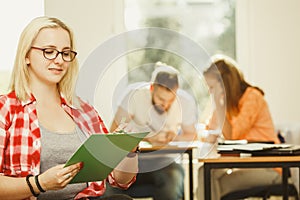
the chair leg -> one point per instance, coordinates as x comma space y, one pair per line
267, 195
296, 196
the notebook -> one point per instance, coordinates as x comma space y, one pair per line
259, 149
293, 150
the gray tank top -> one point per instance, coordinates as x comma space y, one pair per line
56, 149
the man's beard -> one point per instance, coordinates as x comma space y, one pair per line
158, 108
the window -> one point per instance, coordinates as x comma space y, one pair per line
14, 16
209, 23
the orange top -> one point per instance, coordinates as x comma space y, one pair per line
254, 121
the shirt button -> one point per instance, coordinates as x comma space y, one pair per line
36, 144
35, 170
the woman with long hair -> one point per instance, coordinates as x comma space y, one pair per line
241, 112
42, 121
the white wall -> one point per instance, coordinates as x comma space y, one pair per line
268, 45
93, 22
13, 20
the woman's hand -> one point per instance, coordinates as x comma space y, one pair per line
59, 176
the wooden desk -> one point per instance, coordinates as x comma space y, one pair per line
175, 149
285, 162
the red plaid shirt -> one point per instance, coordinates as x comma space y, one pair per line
20, 138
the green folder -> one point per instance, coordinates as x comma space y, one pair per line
101, 153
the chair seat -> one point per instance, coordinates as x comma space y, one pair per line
262, 192
246, 193
276, 190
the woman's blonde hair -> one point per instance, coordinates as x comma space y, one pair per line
20, 75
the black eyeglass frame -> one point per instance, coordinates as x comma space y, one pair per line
57, 52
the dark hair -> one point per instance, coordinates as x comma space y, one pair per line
167, 80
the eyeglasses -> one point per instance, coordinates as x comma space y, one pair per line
51, 53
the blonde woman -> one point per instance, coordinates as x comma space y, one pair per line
42, 121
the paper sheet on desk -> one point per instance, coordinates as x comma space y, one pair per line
175, 143
251, 147
234, 142
185, 143
145, 144
203, 149
259, 146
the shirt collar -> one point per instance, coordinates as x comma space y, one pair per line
64, 102
28, 101
32, 99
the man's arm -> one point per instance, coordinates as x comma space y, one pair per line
120, 116
189, 133
189, 117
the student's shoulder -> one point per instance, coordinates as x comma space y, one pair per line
137, 88
9, 104
253, 93
9, 99
184, 95
253, 97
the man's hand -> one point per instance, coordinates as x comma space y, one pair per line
161, 138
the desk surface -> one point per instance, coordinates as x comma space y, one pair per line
167, 148
229, 159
